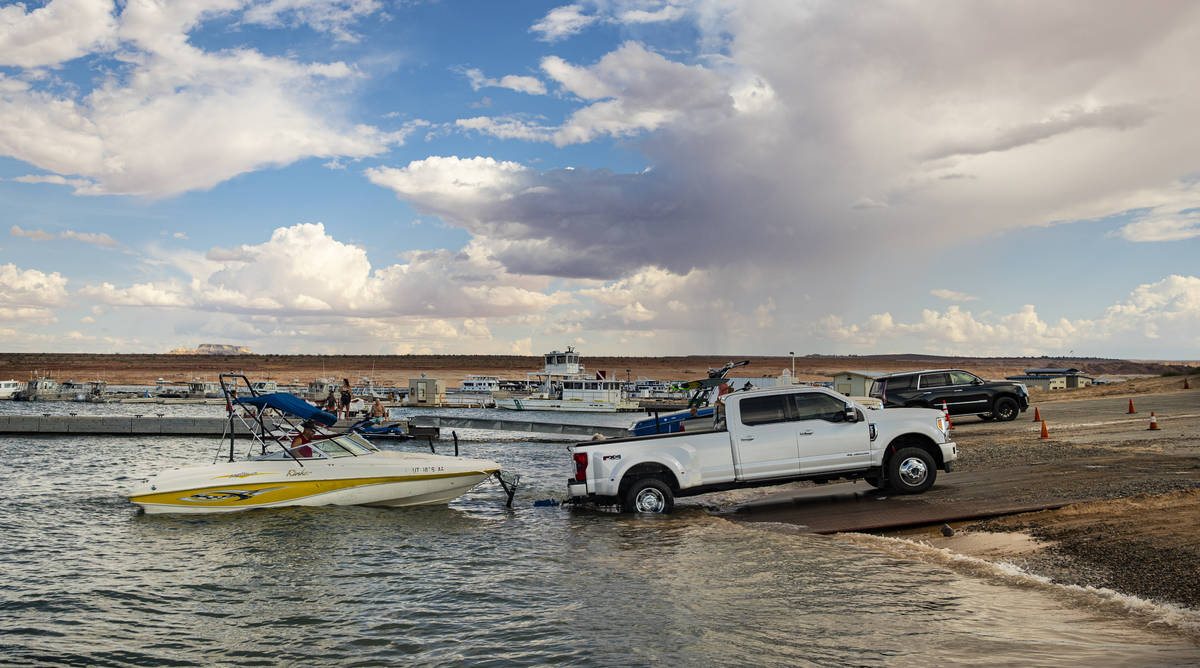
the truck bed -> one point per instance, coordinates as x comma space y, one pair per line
651, 437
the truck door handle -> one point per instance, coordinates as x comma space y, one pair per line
806, 432
748, 438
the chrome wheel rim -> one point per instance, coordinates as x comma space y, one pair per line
913, 471
649, 500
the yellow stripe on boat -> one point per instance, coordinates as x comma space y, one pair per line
266, 493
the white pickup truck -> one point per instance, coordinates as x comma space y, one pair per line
767, 437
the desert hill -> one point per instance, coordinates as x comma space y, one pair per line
396, 369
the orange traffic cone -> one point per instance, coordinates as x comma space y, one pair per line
946, 412
1131, 411
1045, 432
1153, 422
1037, 415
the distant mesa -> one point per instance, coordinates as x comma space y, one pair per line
212, 349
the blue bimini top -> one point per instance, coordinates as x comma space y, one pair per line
292, 405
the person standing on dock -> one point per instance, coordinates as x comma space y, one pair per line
346, 398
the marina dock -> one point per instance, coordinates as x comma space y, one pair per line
97, 425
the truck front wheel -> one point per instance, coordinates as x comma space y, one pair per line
911, 471
1006, 409
648, 495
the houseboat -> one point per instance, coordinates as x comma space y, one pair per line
9, 388
203, 389
472, 384
44, 388
565, 386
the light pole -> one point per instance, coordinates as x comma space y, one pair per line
793, 354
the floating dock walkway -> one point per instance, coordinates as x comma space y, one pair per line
150, 425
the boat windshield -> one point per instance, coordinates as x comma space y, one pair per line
341, 446
344, 445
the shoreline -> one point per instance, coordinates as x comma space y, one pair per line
1130, 519
1131, 545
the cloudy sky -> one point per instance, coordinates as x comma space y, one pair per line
648, 177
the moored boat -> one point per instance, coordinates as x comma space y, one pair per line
9, 388
564, 386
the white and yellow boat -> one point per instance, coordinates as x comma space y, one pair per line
342, 469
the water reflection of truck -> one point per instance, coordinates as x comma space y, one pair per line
767, 437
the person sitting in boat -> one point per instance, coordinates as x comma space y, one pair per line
377, 411
300, 447
330, 403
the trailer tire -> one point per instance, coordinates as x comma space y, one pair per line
911, 471
648, 495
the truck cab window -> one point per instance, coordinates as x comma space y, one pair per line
764, 410
816, 406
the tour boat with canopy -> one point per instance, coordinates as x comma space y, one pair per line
306, 465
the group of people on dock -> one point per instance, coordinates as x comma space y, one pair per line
339, 403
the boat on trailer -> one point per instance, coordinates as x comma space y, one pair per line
339, 469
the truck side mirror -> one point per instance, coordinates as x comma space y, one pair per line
851, 413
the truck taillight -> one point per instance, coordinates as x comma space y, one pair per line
581, 460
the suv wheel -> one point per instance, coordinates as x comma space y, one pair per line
1005, 409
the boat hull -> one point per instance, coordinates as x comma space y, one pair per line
385, 478
567, 405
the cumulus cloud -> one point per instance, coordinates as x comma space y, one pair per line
95, 238
34, 235
1186, 226
521, 84
330, 16
637, 90
567, 20
30, 291
302, 271
1166, 308
80, 185
169, 117
57, 32
953, 295
506, 128
562, 22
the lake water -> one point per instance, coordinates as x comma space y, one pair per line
87, 580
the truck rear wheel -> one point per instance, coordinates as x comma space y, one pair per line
911, 471
648, 495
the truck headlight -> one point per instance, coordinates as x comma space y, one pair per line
943, 426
